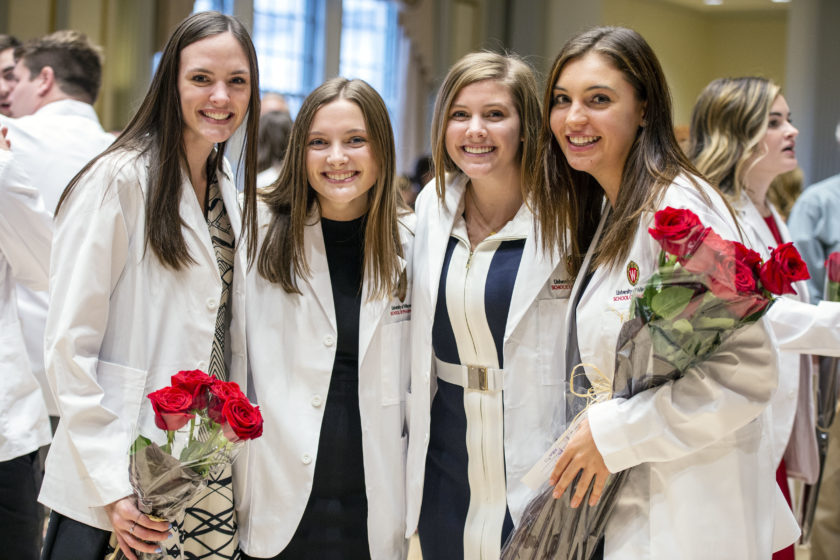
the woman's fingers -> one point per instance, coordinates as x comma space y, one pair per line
135, 530
580, 456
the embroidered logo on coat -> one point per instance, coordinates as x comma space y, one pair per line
632, 273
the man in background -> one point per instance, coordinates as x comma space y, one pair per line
7, 66
55, 132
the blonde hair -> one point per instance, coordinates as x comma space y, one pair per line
728, 123
291, 199
510, 71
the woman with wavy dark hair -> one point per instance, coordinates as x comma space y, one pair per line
148, 262
701, 484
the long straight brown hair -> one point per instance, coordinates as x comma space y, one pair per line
568, 202
291, 200
157, 129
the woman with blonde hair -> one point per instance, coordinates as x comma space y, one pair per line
742, 139
148, 263
328, 313
486, 380
701, 486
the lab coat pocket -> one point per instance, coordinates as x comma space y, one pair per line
551, 317
394, 362
123, 389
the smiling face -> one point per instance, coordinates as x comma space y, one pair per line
340, 163
214, 87
776, 151
483, 134
595, 117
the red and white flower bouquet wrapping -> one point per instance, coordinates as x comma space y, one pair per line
206, 421
705, 289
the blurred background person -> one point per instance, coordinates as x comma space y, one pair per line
815, 228
273, 102
25, 236
57, 80
275, 128
7, 67
784, 190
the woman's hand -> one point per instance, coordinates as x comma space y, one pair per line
4, 142
133, 529
581, 455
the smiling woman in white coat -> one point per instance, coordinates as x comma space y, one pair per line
741, 139
328, 313
146, 279
487, 383
701, 484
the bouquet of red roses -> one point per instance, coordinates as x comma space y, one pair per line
213, 418
704, 289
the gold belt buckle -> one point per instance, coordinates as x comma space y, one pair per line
477, 378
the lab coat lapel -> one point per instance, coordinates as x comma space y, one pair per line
316, 258
439, 227
534, 271
372, 312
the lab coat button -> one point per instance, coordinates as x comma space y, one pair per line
307, 458
212, 304
316, 401
329, 340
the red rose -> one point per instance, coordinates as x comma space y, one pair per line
747, 256
220, 393
832, 267
242, 418
195, 382
744, 277
784, 267
722, 279
172, 407
678, 230
706, 255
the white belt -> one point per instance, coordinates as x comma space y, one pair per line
470, 377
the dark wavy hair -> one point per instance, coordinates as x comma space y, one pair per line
568, 202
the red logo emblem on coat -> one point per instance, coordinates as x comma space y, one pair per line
632, 273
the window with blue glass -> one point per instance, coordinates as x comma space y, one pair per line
289, 40
224, 6
369, 46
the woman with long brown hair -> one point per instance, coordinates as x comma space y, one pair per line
148, 262
328, 312
701, 484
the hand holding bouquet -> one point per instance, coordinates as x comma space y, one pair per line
704, 289
215, 416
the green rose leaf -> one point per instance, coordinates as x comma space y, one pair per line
671, 301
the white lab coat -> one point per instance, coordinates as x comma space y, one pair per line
51, 146
703, 485
120, 325
25, 236
792, 407
291, 351
533, 350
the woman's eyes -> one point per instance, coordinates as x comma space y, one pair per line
317, 142
597, 99
459, 115
357, 140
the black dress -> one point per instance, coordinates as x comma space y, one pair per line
334, 524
